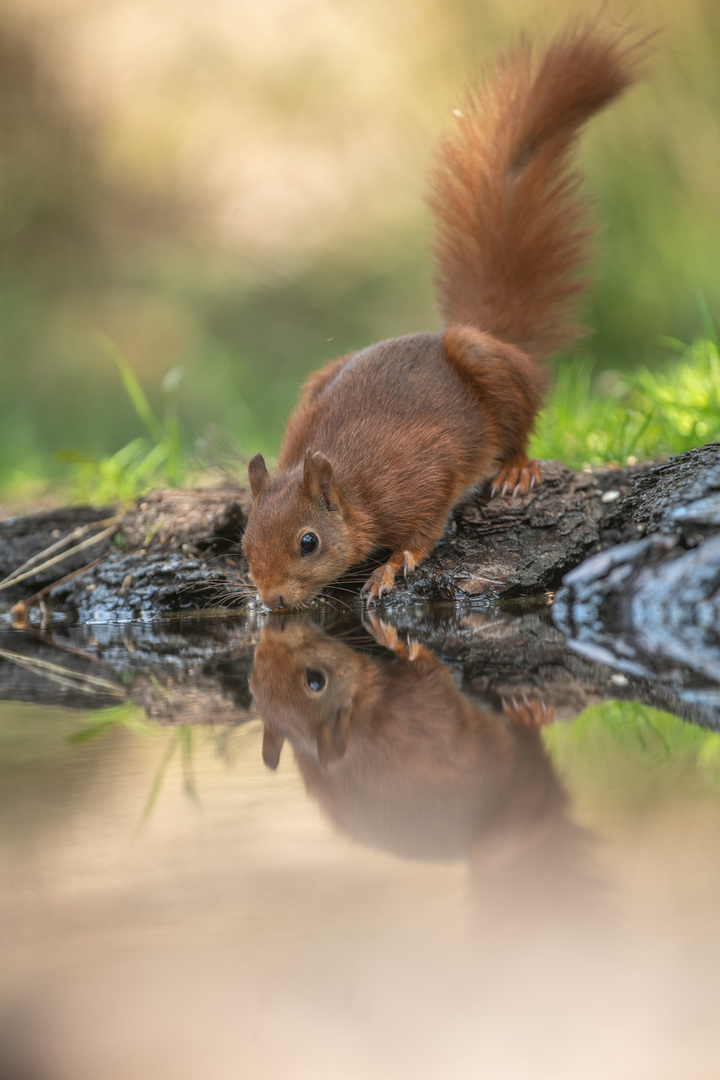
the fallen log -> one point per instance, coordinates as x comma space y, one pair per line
181, 550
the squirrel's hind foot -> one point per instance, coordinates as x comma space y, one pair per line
516, 476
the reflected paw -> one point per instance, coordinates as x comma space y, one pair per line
387, 636
528, 712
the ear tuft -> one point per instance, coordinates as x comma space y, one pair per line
258, 475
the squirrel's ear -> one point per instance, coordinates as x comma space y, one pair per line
319, 480
258, 475
272, 745
331, 739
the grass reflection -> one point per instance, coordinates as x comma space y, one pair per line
182, 740
615, 756
621, 756
127, 715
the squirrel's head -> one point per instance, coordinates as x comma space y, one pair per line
297, 537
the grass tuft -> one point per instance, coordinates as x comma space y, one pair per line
152, 460
645, 414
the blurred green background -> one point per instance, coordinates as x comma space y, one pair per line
235, 189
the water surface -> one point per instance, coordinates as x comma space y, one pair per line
440, 861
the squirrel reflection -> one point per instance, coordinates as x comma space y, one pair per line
396, 755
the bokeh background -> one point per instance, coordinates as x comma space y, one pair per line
234, 188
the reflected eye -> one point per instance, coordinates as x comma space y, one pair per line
308, 544
315, 679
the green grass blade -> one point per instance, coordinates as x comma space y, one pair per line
132, 387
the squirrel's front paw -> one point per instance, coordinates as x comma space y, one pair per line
382, 580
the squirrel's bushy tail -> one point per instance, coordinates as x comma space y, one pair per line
511, 231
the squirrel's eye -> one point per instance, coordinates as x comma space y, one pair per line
315, 679
308, 543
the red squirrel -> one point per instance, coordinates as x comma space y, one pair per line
384, 441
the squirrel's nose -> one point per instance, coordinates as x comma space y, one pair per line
274, 601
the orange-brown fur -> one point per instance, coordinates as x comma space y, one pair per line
384, 441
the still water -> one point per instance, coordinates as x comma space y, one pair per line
247, 848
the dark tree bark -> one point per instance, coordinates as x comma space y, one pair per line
180, 550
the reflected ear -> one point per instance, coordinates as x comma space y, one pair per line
258, 475
272, 746
332, 738
319, 481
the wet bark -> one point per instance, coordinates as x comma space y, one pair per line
190, 671
652, 607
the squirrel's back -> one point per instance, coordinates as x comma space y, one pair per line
510, 220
